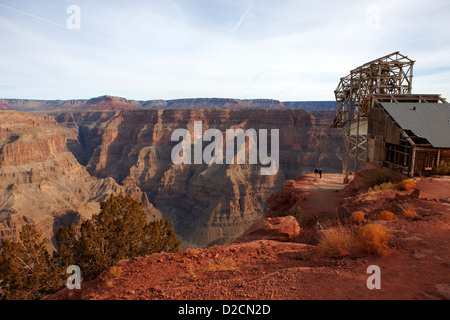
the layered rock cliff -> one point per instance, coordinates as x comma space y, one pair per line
41, 181
206, 202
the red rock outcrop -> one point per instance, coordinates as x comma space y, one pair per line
278, 229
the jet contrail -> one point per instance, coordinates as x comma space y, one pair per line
240, 20
41, 19
33, 16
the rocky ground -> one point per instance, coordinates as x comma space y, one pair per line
415, 266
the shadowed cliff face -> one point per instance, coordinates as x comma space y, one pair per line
206, 202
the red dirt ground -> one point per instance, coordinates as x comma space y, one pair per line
415, 266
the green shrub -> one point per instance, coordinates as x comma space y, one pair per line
27, 270
297, 214
119, 231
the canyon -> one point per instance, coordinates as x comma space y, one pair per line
41, 181
57, 165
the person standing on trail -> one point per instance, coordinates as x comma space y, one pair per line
316, 172
320, 172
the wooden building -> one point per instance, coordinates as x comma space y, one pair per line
408, 133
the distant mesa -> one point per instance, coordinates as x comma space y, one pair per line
108, 103
113, 103
224, 103
311, 105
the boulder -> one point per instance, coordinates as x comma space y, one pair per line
278, 229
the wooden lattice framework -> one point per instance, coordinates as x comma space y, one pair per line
389, 75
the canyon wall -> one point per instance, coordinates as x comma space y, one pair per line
41, 181
206, 202
56, 168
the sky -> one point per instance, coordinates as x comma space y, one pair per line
288, 50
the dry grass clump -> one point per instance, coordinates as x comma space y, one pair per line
190, 269
336, 241
358, 216
408, 212
406, 185
341, 241
372, 239
223, 264
115, 272
109, 283
376, 191
386, 215
189, 273
385, 186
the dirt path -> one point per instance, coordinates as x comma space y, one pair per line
321, 195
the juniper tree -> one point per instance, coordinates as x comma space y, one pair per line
27, 270
119, 231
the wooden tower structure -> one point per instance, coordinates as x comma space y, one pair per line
388, 75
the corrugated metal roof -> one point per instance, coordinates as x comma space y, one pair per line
427, 120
